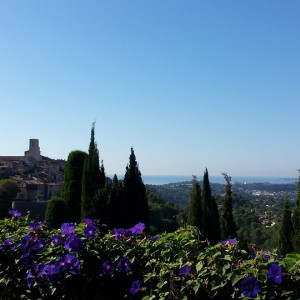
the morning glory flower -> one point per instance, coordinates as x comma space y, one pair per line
39, 244
73, 243
27, 259
185, 270
108, 267
30, 278
229, 242
70, 263
275, 274
138, 228
120, 233
34, 227
124, 264
14, 213
7, 244
56, 239
51, 272
26, 242
90, 222
89, 231
67, 228
250, 286
135, 287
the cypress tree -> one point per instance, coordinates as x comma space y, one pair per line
93, 178
195, 216
71, 189
296, 219
228, 223
135, 194
286, 230
211, 222
117, 206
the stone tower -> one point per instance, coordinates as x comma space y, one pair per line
34, 152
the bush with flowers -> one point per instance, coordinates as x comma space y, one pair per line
88, 261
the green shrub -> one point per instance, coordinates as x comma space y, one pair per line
87, 261
56, 212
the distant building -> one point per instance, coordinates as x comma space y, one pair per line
31, 155
38, 177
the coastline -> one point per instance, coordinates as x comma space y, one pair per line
166, 179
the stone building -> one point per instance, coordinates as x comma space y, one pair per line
31, 155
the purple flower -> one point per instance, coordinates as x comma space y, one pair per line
90, 222
135, 287
14, 213
67, 228
250, 286
26, 242
7, 244
120, 233
30, 278
34, 227
229, 242
275, 274
89, 231
138, 228
27, 259
56, 239
39, 245
70, 263
124, 264
73, 243
185, 270
51, 272
108, 267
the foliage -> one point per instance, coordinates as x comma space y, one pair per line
135, 194
296, 219
228, 222
93, 178
71, 189
8, 189
162, 214
86, 261
56, 212
211, 219
196, 215
286, 230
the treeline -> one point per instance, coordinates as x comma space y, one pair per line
88, 193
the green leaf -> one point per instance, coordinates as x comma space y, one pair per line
235, 278
196, 287
199, 266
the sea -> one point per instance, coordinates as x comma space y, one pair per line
165, 179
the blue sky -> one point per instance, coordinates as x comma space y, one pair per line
187, 84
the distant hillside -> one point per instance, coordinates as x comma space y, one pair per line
179, 193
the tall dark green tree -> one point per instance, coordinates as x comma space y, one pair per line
195, 216
93, 178
71, 189
286, 230
296, 220
117, 206
211, 220
228, 222
135, 194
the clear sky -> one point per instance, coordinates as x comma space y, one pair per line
188, 84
